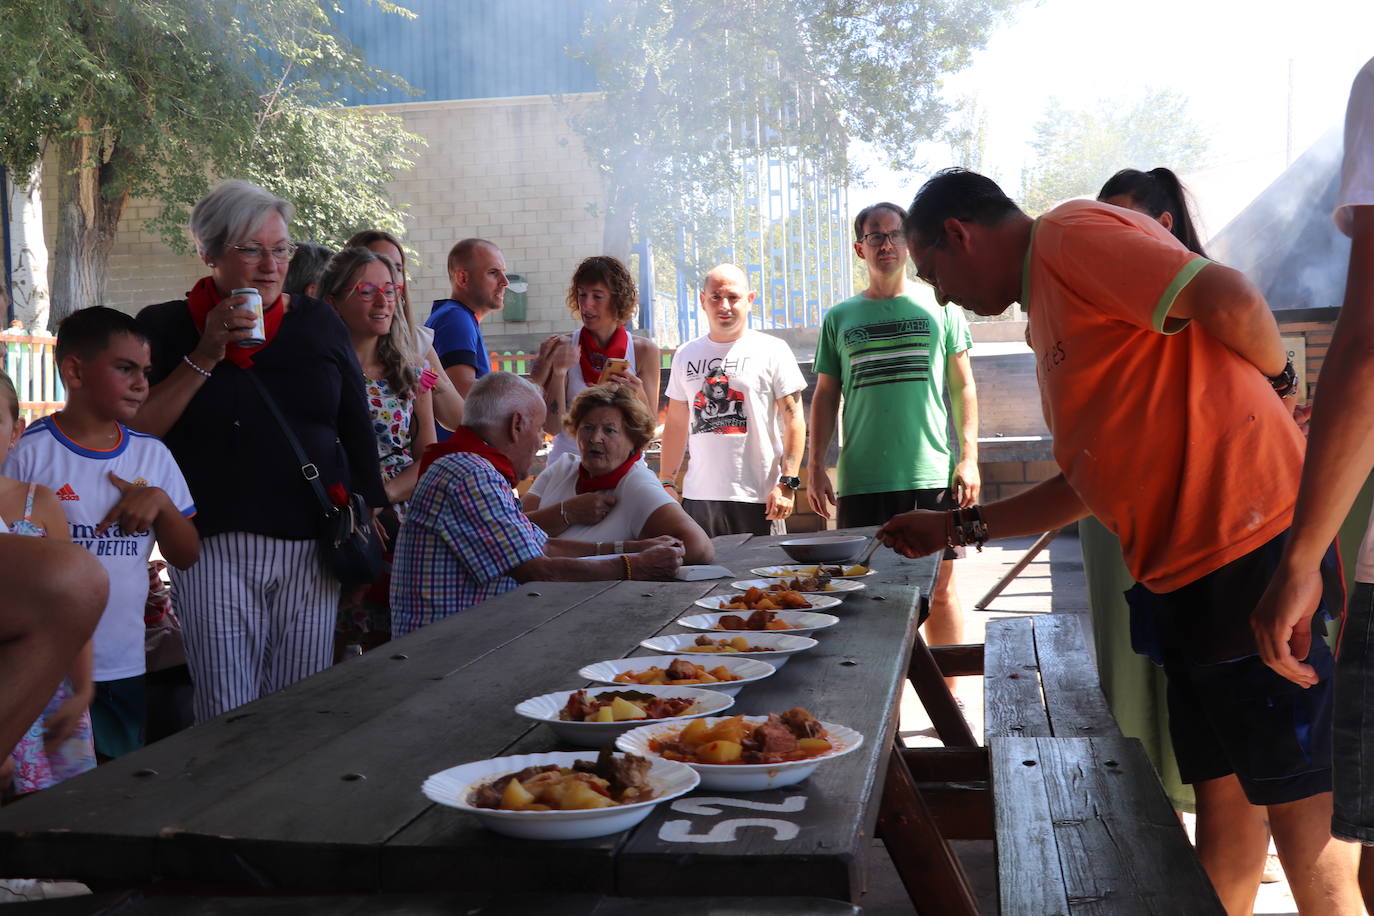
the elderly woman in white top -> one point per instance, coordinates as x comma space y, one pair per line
606, 495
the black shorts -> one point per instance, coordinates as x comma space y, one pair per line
723, 516
1228, 711
861, 509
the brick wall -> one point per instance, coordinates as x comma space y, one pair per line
510, 170
1315, 327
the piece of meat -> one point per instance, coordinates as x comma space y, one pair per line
579, 707
732, 622
801, 723
774, 738
623, 772
681, 670
487, 796
704, 640
758, 620
667, 707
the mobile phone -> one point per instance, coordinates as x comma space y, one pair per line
612, 367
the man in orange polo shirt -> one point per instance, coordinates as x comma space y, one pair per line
1161, 376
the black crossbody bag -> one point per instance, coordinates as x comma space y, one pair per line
349, 546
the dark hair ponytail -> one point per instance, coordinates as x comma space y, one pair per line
1157, 192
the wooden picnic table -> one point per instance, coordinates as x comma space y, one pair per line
316, 789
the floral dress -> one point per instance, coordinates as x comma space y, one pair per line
391, 422
37, 766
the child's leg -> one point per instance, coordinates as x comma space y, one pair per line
222, 603
48, 614
304, 611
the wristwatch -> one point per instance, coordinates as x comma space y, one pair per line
791, 483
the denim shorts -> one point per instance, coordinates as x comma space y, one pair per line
1353, 722
1228, 711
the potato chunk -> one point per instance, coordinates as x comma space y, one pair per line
622, 709
516, 797
695, 732
720, 752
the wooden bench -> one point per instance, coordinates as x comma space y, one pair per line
1082, 822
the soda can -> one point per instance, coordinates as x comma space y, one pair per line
257, 334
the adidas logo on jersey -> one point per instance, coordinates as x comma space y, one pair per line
67, 493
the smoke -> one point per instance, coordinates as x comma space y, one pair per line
1285, 240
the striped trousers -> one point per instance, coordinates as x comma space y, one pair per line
257, 614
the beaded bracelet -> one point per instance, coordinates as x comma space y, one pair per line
629, 571
187, 360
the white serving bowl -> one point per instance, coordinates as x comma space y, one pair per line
717, 603
783, 646
744, 666
597, 734
835, 588
801, 572
800, 623
451, 787
829, 549
743, 777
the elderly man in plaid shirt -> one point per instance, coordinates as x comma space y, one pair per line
465, 539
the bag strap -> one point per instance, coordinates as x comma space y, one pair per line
309, 471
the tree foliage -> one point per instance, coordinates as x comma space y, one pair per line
694, 87
1076, 150
156, 99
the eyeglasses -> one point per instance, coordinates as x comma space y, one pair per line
876, 239
369, 291
922, 262
281, 253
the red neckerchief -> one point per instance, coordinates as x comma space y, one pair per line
203, 297
465, 440
592, 356
607, 481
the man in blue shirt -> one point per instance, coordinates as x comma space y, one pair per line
477, 277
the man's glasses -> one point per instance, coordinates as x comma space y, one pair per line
281, 253
877, 239
368, 291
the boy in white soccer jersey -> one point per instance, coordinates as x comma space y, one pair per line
119, 489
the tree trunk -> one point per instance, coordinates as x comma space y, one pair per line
29, 252
87, 220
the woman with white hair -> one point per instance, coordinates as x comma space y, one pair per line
258, 610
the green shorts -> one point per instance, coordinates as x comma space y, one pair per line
118, 714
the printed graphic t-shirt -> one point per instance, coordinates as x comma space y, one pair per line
81, 479
1176, 443
734, 428
890, 357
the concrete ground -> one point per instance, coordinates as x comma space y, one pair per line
1052, 584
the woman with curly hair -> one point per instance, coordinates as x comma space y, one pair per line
602, 294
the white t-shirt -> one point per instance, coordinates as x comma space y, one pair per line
1357, 170
637, 496
80, 478
564, 444
1357, 190
735, 429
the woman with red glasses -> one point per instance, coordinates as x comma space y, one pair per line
359, 284
258, 609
